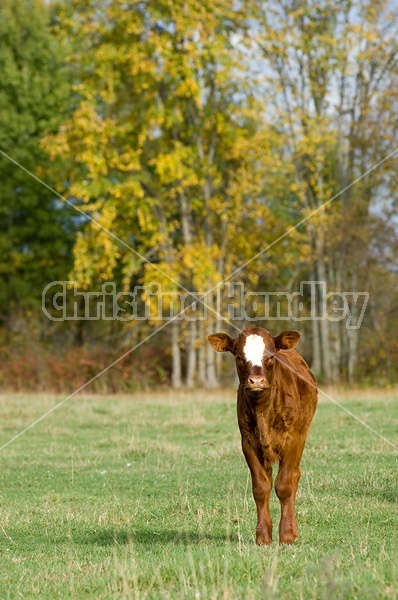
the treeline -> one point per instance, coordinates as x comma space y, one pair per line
179, 141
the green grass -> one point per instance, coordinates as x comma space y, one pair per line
149, 497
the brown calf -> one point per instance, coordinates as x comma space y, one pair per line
277, 398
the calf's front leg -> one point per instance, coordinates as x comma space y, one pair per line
261, 484
286, 484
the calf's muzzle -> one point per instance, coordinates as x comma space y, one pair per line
257, 382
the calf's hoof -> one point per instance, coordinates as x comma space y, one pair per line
287, 539
263, 538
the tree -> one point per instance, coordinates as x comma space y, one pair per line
36, 230
330, 78
169, 151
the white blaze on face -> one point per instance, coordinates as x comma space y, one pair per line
254, 349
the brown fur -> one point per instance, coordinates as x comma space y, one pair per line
276, 404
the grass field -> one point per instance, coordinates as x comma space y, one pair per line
149, 497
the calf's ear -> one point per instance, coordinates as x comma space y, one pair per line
287, 340
221, 342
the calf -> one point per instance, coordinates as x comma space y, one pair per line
277, 398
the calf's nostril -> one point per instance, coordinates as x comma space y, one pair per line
256, 380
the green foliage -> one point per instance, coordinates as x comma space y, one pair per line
35, 231
170, 149
149, 497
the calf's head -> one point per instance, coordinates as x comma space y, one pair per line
255, 352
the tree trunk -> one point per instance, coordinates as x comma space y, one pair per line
202, 355
211, 377
316, 366
176, 380
219, 355
186, 219
191, 355
335, 351
324, 323
211, 373
352, 337
352, 354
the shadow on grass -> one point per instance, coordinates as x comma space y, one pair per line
148, 537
